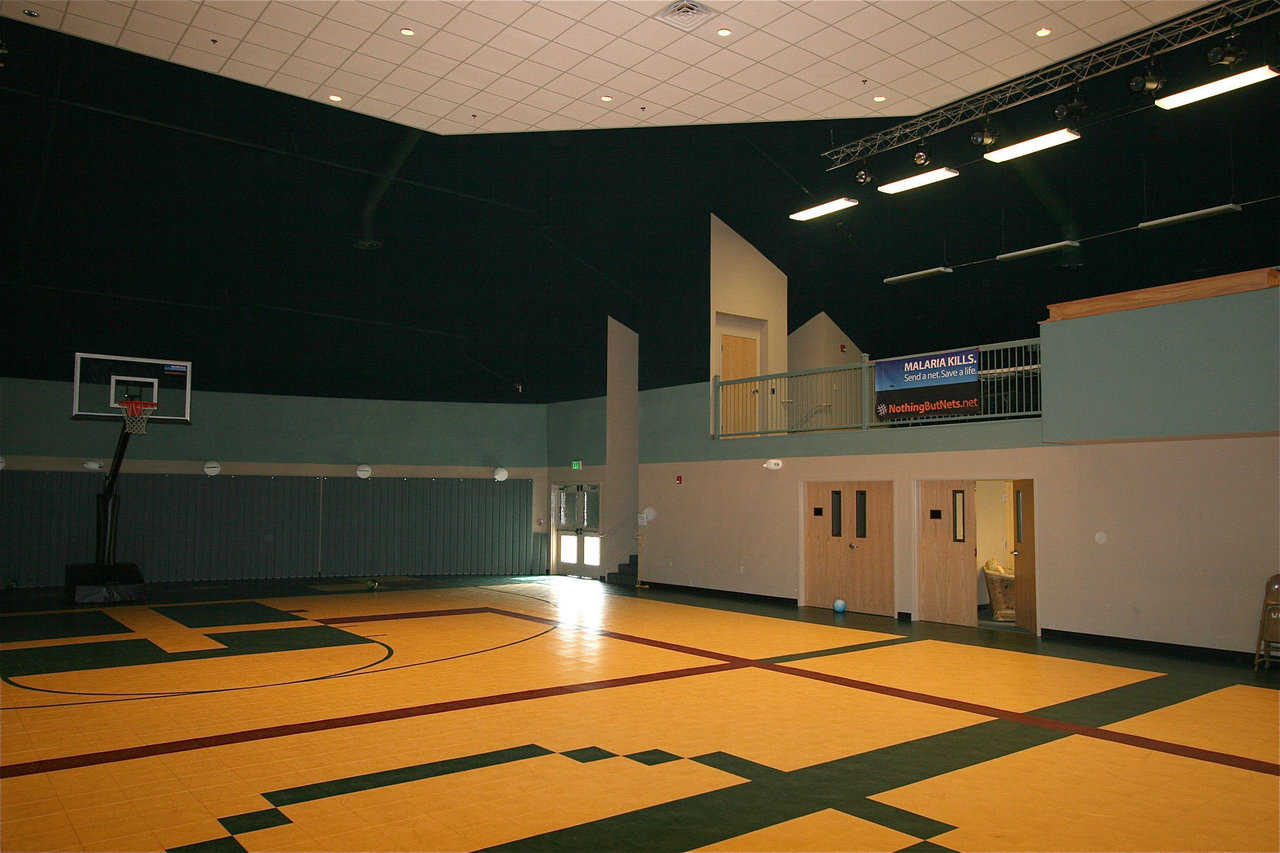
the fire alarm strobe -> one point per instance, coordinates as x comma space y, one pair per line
679, 479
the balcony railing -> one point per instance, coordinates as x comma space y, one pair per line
843, 397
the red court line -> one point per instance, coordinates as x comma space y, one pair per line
128, 753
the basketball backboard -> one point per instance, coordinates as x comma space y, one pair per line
103, 381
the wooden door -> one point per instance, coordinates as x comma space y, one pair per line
1024, 554
738, 403
945, 591
849, 546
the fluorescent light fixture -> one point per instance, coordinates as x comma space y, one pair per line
1217, 87
1031, 146
912, 276
823, 209
1037, 250
1188, 217
918, 180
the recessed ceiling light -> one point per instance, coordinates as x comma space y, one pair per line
879, 99
606, 98
407, 31
335, 98
1044, 31
31, 13
724, 32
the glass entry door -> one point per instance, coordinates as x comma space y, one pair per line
576, 516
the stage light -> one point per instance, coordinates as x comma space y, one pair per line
1030, 146
1146, 83
863, 175
983, 137
823, 209
1227, 53
921, 157
920, 180
1217, 87
1071, 109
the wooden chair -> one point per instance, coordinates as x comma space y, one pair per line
1269, 626
1000, 590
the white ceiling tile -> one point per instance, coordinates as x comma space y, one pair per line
788, 89
289, 18
1162, 10
1023, 63
906, 9
415, 118
452, 46
319, 7
833, 10
99, 31
140, 43
758, 12
859, 56
635, 109
387, 49
362, 16
666, 94
584, 38
431, 63
391, 27
244, 8
653, 34
432, 105
955, 66
927, 53
570, 86
659, 66
275, 38
671, 118
597, 70
470, 117
796, 25
1013, 17
1060, 28
614, 18
155, 26
695, 79
846, 109
1117, 26
502, 124
1068, 45
263, 57
1001, 47
633, 82
822, 73
868, 22
545, 100
758, 76
791, 59
787, 112
475, 27
889, 70
818, 100
392, 94
624, 53
899, 38
857, 87
527, 113
828, 41
575, 9
757, 103
217, 21
916, 83
512, 89
698, 106
558, 56
192, 58
494, 60
377, 109
430, 12
690, 49
967, 35
541, 21
710, 31
305, 69
340, 34
865, 96
517, 42
582, 112
725, 63
727, 91
758, 45
49, 14
943, 17
292, 85
410, 79
451, 91
533, 72
559, 122
1091, 11
472, 75
368, 66
490, 103
115, 14
322, 52
246, 72
942, 95
214, 43
983, 78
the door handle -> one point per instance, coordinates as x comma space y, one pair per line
1014, 553
853, 546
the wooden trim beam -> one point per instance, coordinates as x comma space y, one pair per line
1165, 294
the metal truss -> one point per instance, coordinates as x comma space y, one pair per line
1203, 23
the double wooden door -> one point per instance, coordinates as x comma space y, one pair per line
848, 546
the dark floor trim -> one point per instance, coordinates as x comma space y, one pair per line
726, 593
1151, 647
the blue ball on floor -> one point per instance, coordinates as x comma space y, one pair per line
838, 606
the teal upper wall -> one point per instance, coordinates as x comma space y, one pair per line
35, 420
1203, 367
576, 430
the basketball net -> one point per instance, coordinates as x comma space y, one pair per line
136, 413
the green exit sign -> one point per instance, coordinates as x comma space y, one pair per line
577, 464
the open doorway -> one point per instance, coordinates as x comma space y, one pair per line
1005, 554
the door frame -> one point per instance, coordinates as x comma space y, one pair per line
802, 555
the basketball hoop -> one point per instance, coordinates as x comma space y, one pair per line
136, 413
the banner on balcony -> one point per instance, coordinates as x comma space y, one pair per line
944, 383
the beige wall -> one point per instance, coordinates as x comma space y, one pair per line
991, 501
748, 298
1189, 529
618, 493
817, 344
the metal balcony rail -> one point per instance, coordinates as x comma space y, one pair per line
843, 397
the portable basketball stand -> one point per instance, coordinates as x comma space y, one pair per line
104, 580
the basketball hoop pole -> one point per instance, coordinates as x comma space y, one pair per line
108, 504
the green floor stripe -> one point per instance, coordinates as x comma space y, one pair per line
839, 650
226, 844
737, 766
25, 627
224, 613
400, 775
1121, 703
253, 821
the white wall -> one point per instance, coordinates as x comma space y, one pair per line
817, 344
748, 298
1190, 529
618, 494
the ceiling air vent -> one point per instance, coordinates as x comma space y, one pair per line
685, 14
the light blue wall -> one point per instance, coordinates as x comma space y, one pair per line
674, 428
576, 430
1204, 367
35, 420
